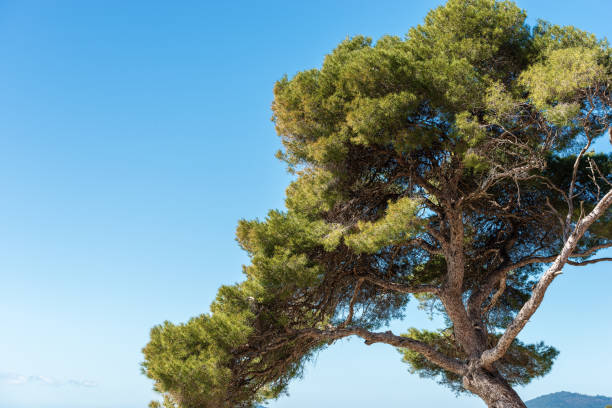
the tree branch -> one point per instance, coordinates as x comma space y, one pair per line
590, 261
497, 295
530, 307
480, 296
349, 318
388, 337
401, 288
421, 243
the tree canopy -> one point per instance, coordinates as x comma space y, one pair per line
450, 167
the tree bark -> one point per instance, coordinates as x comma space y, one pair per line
493, 390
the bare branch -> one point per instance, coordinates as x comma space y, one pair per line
480, 296
591, 250
421, 243
570, 193
593, 177
593, 165
401, 288
436, 234
590, 261
530, 307
349, 318
497, 295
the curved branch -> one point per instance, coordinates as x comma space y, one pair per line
421, 243
480, 295
431, 354
590, 261
496, 296
401, 288
530, 307
349, 318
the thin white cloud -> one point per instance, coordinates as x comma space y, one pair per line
44, 380
83, 383
18, 379
14, 379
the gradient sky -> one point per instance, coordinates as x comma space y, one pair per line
133, 136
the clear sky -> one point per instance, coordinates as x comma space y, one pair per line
133, 136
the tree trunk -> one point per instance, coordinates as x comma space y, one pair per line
493, 390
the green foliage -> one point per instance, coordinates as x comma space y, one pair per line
562, 74
519, 366
364, 93
188, 360
386, 140
399, 223
500, 103
312, 193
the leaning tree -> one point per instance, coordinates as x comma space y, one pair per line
452, 167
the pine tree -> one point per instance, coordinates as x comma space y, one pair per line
451, 167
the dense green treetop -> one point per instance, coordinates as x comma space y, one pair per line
434, 167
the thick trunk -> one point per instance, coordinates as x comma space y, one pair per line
494, 391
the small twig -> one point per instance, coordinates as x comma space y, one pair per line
349, 318
590, 261
496, 296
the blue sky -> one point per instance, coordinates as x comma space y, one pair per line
133, 136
